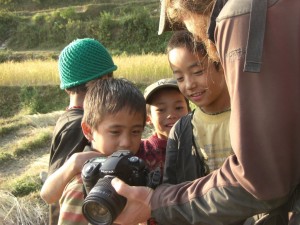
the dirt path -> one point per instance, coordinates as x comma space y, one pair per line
33, 162
28, 164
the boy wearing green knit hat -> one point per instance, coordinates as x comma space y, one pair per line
80, 62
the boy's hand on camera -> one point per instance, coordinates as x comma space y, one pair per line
137, 208
78, 160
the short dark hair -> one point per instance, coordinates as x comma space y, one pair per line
83, 87
109, 96
184, 38
77, 89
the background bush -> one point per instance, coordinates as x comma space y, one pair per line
129, 26
31, 100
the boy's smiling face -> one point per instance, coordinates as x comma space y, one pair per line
199, 80
167, 106
121, 131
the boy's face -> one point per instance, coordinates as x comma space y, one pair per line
199, 82
122, 131
167, 106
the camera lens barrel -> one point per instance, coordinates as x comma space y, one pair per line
103, 204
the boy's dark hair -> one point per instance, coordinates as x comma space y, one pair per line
184, 38
109, 96
77, 89
83, 87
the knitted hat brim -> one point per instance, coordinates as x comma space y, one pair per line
76, 83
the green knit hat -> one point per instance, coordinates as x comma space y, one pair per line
83, 60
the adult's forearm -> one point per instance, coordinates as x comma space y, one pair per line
208, 200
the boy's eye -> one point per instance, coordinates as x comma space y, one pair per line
179, 107
178, 76
159, 110
179, 79
114, 132
198, 72
138, 131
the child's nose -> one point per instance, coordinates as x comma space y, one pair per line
189, 83
125, 143
171, 115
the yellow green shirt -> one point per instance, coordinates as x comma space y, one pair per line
211, 134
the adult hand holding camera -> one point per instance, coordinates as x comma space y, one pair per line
138, 207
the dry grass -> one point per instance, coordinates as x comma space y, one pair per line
23, 211
143, 68
44, 120
140, 69
29, 73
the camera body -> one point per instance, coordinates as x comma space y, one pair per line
102, 204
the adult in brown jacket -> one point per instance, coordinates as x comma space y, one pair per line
262, 71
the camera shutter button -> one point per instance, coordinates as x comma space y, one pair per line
133, 159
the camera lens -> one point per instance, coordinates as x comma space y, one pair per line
97, 212
103, 204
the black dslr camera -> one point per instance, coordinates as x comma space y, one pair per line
103, 204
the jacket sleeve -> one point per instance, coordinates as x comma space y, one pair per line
203, 202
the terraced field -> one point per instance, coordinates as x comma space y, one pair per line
24, 154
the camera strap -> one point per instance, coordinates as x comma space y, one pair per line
154, 178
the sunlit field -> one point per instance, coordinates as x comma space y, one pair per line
139, 69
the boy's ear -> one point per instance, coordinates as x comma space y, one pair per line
87, 131
148, 120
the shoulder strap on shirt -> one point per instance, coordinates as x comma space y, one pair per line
186, 124
257, 23
256, 33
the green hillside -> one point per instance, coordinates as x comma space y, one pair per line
47, 26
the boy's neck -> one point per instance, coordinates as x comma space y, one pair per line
216, 113
218, 106
76, 100
223, 107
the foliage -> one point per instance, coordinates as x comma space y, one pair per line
130, 28
11, 127
10, 56
30, 100
25, 186
37, 4
8, 23
35, 142
33, 99
27, 146
5, 157
10, 101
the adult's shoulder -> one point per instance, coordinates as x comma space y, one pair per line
238, 7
